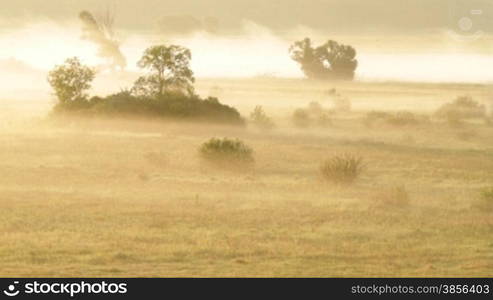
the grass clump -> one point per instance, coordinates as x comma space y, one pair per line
224, 152
342, 169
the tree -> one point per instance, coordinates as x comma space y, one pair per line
169, 70
328, 61
71, 80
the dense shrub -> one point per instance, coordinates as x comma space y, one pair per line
226, 152
169, 105
463, 107
260, 119
342, 169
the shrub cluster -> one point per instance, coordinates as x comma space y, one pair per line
173, 105
226, 152
464, 107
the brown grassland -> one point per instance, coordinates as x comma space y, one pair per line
125, 198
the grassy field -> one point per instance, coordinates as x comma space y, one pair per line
131, 198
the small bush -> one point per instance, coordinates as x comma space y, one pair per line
226, 152
301, 118
260, 119
342, 169
463, 107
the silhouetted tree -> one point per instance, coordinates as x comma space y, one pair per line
70, 80
169, 70
328, 61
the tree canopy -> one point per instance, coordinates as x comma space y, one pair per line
168, 70
71, 80
330, 60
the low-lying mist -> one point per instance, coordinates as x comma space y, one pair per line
258, 51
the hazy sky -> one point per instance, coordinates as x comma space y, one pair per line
343, 15
420, 40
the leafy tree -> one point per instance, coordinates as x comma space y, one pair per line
70, 80
328, 61
169, 70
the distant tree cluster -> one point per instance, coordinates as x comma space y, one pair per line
165, 91
328, 61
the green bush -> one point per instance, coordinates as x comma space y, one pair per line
171, 105
260, 119
342, 169
226, 152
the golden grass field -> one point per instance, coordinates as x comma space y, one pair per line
122, 198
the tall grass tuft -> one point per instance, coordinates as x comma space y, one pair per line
342, 169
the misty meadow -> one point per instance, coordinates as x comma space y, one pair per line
246, 138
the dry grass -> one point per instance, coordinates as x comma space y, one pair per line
111, 198
342, 169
